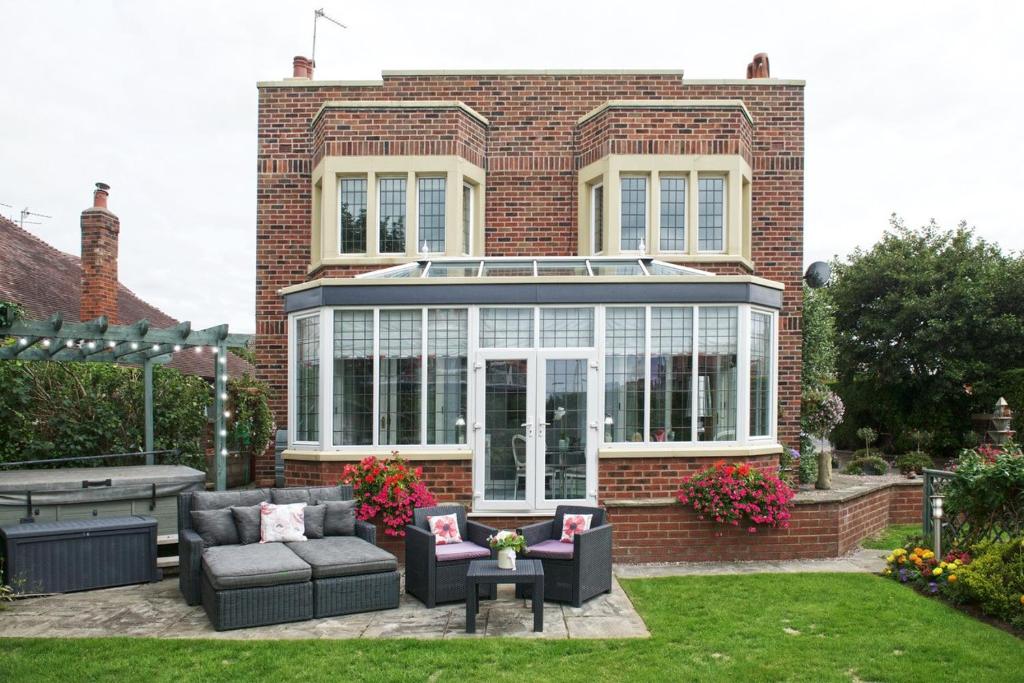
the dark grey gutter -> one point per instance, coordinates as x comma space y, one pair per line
532, 294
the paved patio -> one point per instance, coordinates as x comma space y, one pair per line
157, 610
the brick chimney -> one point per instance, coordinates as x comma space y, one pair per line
302, 67
758, 67
99, 258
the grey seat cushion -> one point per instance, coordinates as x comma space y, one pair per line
249, 566
343, 556
213, 500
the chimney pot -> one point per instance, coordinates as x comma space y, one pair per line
99, 196
758, 67
302, 67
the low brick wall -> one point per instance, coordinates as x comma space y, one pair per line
650, 526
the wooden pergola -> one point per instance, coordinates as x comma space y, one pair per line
97, 341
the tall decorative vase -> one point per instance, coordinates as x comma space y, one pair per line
507, 559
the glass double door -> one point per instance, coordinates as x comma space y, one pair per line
537, 430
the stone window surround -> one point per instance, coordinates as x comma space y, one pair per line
608, 171
324, 248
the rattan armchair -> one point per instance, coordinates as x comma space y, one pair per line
435, 580
576, 572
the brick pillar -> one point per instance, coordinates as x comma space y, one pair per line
99, 259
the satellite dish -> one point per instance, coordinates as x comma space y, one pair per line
818, 274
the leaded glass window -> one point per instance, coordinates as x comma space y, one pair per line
307, 379
447, 349
624, 374
566, 327
392, 215
400, 388
711, 210
353, 378
633, 212
506, 328
760, 373
352, 212
467, 219
597, 213
431, 214
671, 373
716, 373
673, 214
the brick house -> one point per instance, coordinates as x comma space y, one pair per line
541, 286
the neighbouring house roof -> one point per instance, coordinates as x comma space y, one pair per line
45, 280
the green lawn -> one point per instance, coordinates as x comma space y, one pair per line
893, 536
769, 627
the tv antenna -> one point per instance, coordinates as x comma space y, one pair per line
25, 213
317, 15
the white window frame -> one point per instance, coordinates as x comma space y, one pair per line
685, 177
293, 354
645, 238
725, 214
444, 231
593, 220
773, 376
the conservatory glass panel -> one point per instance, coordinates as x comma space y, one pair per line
307, 379
562, 268
508, 269
671, 373
619, 268
716, 369
506, 328
401, 344
760, 373
624, 374
353, 378
566, 327
467, 269
506, 387
447, 349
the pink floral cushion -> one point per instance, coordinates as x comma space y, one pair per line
445, 529
282, 523
574, 524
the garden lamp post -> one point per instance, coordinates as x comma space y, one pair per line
937, 524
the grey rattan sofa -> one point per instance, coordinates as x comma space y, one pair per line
435, 573
573, 572
269, 583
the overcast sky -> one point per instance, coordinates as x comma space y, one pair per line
911, 108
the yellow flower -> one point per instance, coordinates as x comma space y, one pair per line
899, 551
942, 564
890, 559
951, 578
928, 554
901, 560
937, 571
888, 572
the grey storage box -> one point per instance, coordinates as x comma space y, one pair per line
60, 557
73, 493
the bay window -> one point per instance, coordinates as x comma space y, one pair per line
760, 373
400, 362
673, 214
671, 373
711, 213
624, 384
353, 378
467, 219
352, 212
597, 218
633, 212
717, 350
447, 357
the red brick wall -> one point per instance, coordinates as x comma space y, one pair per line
531, 164
639, 478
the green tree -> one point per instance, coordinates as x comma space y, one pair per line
928, 323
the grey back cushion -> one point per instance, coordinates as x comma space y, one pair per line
324, 493
289, 496
215, 527
341, 517
215, 500
315, 516
247, 522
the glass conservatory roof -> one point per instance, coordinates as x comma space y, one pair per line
513, 267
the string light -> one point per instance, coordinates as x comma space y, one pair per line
177, 347
213, 349
224, 397
199, 349
69, 343
156, 347
224, 377
112, 344
223, 451
23, 341
135, 345
223, 360
46, 343
227, 413
91, 345
223, 432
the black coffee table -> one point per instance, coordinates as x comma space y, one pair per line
486, 572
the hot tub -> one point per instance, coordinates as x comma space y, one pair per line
60, 495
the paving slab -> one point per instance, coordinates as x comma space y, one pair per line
859, 561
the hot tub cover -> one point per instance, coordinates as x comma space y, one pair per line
64, 486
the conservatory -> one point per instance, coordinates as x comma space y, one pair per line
532, 369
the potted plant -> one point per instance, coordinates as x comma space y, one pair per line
507, 543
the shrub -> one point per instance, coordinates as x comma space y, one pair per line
251, 424
868, 464
868, 436
914, 461
995, 580
987, 492
737, 494
388, 488
807, 464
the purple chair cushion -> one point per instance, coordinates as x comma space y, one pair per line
450, 552
551, 549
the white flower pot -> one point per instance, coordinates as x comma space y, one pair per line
507, 559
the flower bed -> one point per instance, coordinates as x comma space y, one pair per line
389, 488
737, 494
